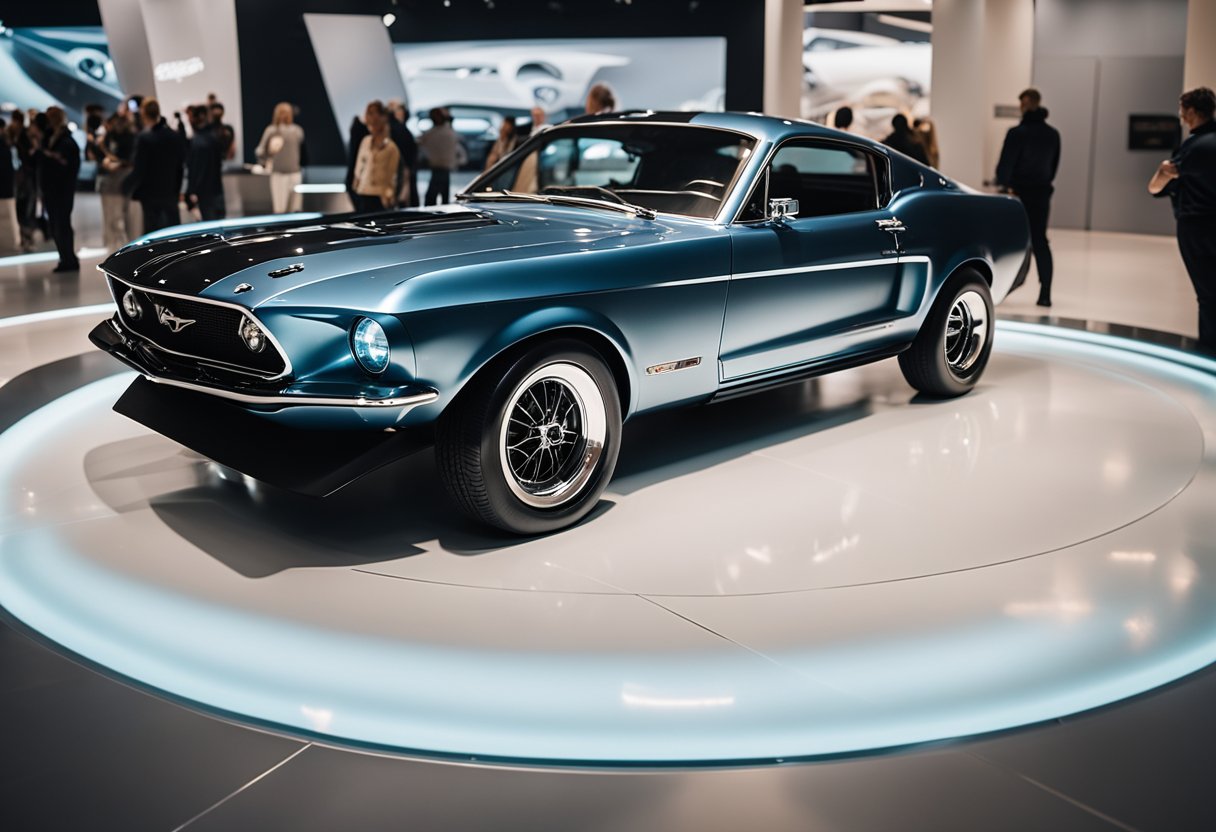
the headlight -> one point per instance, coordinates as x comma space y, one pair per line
370, 345
252, 335
130, 305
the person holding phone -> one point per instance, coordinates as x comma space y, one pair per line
1188, 178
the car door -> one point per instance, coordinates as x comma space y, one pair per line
822, 282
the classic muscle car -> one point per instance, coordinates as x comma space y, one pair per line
610, 266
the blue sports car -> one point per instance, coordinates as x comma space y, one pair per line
610, 266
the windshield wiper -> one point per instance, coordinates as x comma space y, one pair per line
562, 199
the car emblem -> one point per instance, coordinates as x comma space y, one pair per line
170, 320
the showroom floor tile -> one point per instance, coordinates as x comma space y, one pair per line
326, 789
82, 752
1148, 762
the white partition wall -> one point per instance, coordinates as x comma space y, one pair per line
1068, 85
1200, 70
783, 58
179, 50
1097, 62
356, 58
123, 21
982, 52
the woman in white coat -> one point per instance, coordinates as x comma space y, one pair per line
280, 151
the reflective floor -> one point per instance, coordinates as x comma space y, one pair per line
831, 568
1089, 608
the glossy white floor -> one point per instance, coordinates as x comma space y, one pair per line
1038, 571
830, 568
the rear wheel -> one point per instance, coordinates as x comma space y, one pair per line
952, 348
532, 444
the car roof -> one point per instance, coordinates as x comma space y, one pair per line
762, 127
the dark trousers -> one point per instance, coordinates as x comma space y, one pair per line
159, 213
414, 200
58, 204
1036, 199
441, 184
212, 207
366, 204
1197, 243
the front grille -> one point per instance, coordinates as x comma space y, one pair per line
212, 337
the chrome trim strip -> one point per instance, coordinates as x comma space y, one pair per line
822, 267
287, 368
717, 278
691, 281
309, 401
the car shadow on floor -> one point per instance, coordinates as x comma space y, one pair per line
401, 511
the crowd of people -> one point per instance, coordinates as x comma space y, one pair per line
149, 169
383, 155
917, 139
141, 178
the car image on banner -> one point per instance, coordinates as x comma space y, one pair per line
68, 66
484, 82
877, 75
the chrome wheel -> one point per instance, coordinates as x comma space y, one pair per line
966, 332
552, 435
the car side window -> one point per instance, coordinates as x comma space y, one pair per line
826, 179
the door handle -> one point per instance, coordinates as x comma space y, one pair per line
895, 226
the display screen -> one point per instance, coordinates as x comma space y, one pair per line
483, 82
879, 65
68, 66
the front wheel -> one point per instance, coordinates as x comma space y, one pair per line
532, 444
952, 348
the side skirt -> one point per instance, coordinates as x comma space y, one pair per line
796, 375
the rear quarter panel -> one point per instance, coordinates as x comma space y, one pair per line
953, 227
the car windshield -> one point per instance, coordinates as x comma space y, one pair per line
672, 168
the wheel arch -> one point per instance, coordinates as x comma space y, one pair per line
975, 263
597, 332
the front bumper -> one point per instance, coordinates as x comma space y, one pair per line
300, 404
257, 432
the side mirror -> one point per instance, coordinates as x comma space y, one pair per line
782, 209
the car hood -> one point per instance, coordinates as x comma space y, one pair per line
253, 265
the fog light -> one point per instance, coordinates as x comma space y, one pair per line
370, 345
130, 305
252, 335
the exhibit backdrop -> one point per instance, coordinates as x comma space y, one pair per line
877, 64
484, 82
65, 65
279, 58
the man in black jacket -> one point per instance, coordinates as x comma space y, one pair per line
156, 169
1188, 178
1028, 164
204, 166
58, 164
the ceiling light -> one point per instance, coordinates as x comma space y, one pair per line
389, 19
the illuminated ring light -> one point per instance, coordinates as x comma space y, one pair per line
116, 546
